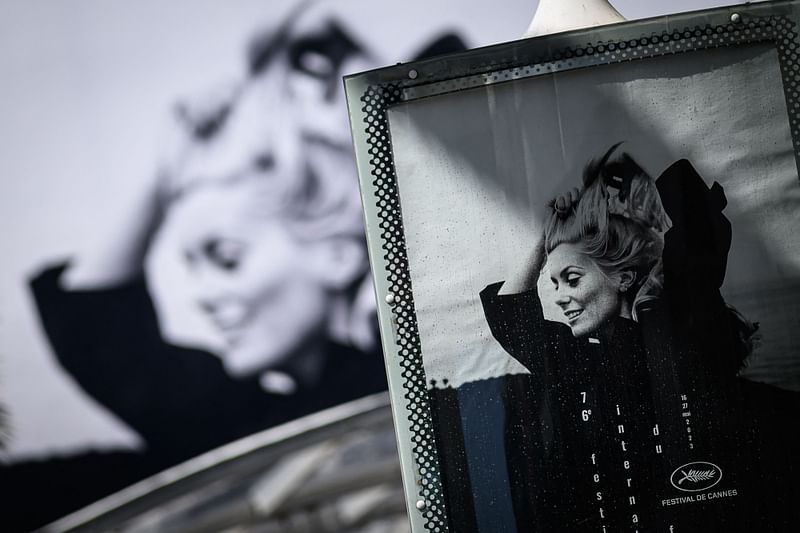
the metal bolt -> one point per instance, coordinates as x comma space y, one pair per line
389, 298
412, 74
421, 505
736, 18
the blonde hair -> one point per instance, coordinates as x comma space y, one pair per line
620, 232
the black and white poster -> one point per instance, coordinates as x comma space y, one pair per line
184, 261
605, 269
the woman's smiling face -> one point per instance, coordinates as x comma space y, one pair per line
587, 297
251, 277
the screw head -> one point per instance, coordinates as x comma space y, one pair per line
421, 504
413, 74
736, 18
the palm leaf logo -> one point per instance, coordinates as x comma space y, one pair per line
696, 476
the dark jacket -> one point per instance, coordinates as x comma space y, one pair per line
179, 400
591, 438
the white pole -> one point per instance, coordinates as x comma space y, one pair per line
554, 16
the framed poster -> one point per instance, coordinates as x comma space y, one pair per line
586, 253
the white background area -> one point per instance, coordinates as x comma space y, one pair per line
86, 86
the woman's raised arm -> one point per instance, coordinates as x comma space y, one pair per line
525, 278
119, 252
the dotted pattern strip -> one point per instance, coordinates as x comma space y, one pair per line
376, 101
378, 98
604, 53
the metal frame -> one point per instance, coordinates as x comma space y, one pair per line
371, 94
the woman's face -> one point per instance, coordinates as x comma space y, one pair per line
252, 279
587, 297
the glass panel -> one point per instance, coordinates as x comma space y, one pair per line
592, 272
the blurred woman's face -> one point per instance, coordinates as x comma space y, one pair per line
587, 297
252, 279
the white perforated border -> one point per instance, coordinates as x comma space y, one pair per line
604, 53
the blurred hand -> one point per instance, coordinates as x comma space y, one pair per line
194, 121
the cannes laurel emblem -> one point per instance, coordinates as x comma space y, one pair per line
697, 476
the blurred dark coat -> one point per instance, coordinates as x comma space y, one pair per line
179, 400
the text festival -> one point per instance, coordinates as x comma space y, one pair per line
699, 497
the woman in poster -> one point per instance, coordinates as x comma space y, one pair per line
260, 206
632, 417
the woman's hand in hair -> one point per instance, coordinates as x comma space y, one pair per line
526, 278
565, 203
